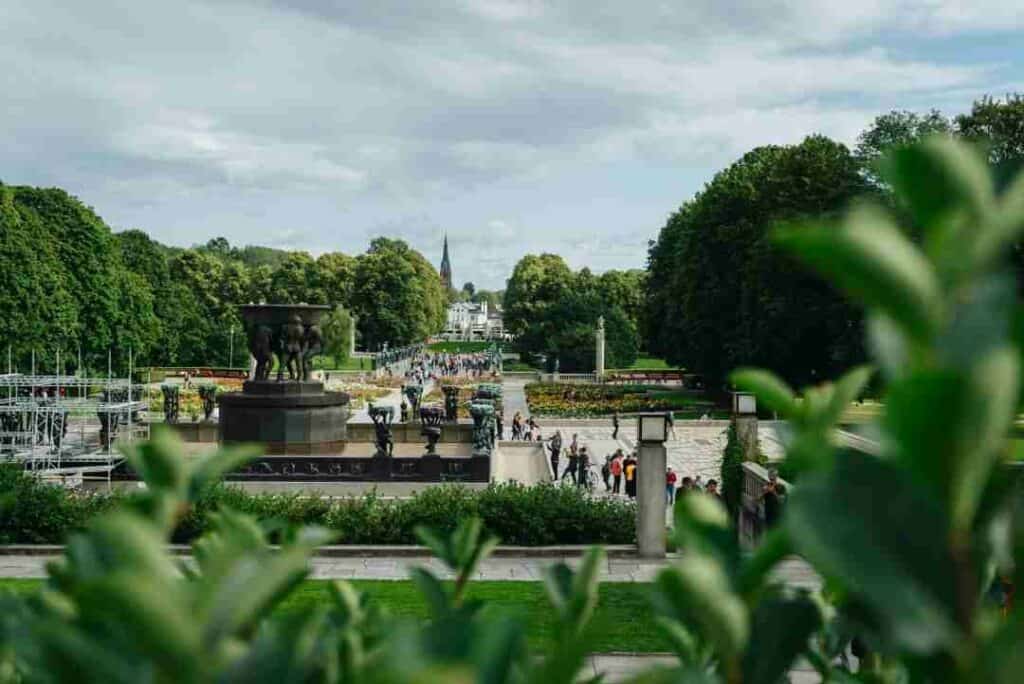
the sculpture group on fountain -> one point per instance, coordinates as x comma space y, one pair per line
296, 345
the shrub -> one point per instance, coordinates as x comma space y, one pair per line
38, 513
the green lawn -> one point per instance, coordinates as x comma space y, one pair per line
623, 620
643, 363
460, 347
327, 362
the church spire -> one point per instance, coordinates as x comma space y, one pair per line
446, 266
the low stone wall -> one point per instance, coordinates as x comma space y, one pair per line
522, 462
356, 432
203, 431
410, 432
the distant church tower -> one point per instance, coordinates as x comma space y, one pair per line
446, 266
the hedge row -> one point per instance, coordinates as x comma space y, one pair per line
32, 512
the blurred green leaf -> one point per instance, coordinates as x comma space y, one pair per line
696, 591
432, 590
940, 177
771, 390
779, 633
866, 524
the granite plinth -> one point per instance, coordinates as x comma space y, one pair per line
427, 468
286, 417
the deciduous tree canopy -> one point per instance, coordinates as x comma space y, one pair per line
67, 280
720, 296
554, 312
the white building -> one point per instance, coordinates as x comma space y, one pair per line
473, 321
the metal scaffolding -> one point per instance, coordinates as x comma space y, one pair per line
68, 427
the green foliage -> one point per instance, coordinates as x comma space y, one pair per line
928, 524
553, 311
397, 297
721, 295
337, 331
38, 513
731, 472
118, 607
896, 130
102, 291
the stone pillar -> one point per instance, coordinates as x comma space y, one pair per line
746, 433
352, 339
599, 346
650, 496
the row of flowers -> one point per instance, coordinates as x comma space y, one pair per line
597, 400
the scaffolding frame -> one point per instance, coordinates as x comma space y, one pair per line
68, 428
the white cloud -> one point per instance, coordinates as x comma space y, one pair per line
359, 118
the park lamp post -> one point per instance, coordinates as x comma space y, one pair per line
652, 432
744, 418
231, 347
744, 404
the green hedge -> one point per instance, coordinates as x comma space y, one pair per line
35, 513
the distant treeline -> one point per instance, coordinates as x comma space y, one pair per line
68, 282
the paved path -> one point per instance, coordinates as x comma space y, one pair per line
518, 568
513, 398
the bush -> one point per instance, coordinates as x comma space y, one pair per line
34, 512
39, 513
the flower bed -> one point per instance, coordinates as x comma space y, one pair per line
577, 401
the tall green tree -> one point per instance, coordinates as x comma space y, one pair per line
337, 327
397, 296
335, 277
554, 312
896, 130
719, 295
998, 125
296, 281
38, 309
537, 283
90, 261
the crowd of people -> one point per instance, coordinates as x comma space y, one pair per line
427, 365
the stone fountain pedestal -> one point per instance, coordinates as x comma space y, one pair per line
297, 418
286, 416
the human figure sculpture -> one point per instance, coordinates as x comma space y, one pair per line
171, 405
431, 417
261, 346
414, 393
451, 403
294, 338
483, 436
109, 418
382, 417
208, 395
313, 345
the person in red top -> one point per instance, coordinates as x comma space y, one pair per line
670, 486
616, 470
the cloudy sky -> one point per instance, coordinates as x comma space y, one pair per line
574, 126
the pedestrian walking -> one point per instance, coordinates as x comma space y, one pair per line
670, 486
606, 472
615, 425
616, 468
629, 468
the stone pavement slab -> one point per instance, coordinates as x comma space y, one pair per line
514, 569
